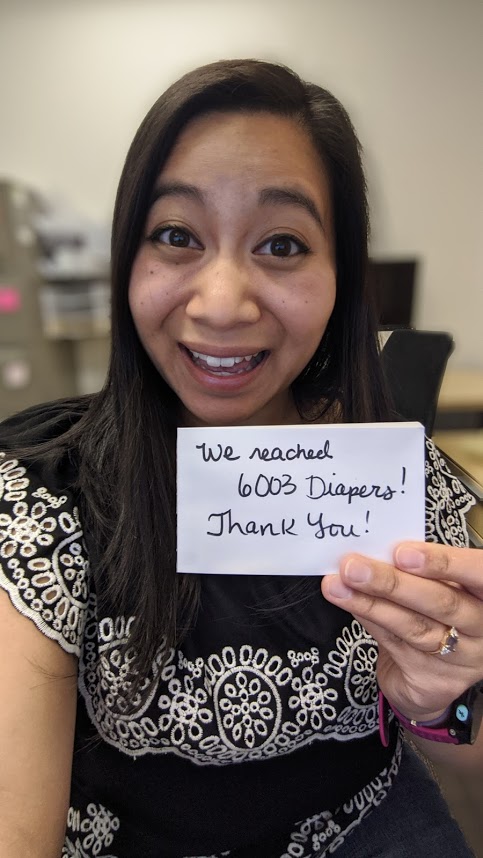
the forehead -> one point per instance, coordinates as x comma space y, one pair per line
255, 147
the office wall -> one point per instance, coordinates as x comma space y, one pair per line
76, 77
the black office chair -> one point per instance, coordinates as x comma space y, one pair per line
414, 363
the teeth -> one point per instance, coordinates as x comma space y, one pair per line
222, 361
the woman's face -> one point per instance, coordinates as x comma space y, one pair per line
234, 281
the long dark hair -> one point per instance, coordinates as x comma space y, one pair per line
125, 439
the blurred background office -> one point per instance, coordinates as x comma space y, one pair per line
76, 78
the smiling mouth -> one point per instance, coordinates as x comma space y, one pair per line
225, 366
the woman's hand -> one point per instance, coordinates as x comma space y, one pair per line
409, 608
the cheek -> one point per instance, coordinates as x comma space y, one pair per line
142, 312
151, 297
139, 293
309, 308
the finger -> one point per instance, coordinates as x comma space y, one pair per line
461, 676
436, 601
464, 566
433, 681
399, 624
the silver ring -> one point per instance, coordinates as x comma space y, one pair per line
448, 643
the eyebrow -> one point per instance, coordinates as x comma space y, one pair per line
267, 196
176, 189
291, 196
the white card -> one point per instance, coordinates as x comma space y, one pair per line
291, 500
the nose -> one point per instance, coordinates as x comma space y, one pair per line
222, 296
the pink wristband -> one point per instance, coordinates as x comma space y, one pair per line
435, 730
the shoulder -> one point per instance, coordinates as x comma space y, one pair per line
447, 501
44, 565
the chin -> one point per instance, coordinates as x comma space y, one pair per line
228, 416
219, 419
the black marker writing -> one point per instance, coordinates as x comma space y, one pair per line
320, 488
331, 529
227, 525
264, 486
223, 453
276, 454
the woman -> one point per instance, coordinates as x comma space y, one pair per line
229, 716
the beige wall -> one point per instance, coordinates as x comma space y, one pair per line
76, 77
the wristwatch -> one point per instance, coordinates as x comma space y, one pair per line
459, 725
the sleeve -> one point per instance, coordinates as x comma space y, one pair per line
447, 502
44, 566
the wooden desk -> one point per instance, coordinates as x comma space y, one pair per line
461, 390
460, 403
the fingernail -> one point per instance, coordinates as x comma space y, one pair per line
409, 558
338, 589
357, 571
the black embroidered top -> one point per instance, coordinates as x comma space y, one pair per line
258, 738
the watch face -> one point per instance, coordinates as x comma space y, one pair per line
466, 714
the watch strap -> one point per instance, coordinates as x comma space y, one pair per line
458, 725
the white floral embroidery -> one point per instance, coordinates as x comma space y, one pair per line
245, 691
50, 500
185, 711
43, 561
90, 833
313, 699
239, 704
13, 480
26, 530
447, 502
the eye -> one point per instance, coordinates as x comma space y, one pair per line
174, 236
282, 246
